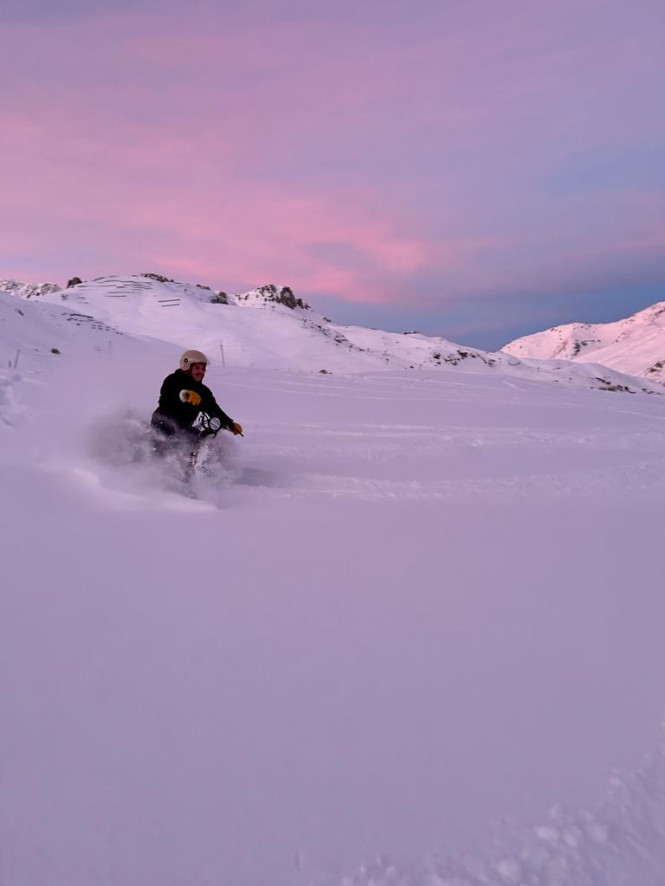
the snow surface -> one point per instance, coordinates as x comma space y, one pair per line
635, 345
411, 634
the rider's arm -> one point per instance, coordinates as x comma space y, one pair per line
168, 395
211, 406
175, 402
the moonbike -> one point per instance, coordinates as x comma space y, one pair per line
193, 450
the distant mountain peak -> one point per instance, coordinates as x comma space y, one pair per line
27, 290
634, 345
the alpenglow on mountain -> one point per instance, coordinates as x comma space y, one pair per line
635, 345
267, 328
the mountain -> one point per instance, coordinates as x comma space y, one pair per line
28, 290
635, 345
269, 328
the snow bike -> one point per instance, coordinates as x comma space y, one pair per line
186, 446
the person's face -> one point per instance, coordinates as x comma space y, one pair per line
197, 371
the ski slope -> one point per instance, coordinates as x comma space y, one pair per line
411, 635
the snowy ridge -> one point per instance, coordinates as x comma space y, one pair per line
270, 328
635, 345
28, 290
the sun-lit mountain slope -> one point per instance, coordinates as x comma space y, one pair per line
635, 345
248, 330
34, 333
270, 328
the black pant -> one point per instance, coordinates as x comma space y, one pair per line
170, 434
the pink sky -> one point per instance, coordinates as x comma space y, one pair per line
456, 165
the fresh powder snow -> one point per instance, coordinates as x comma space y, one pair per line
409, 631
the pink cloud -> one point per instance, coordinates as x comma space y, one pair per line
358, 159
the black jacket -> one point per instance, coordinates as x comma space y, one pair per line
184, 414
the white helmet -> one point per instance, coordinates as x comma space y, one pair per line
189, 357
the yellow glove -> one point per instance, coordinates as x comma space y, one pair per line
190, 397
236, 428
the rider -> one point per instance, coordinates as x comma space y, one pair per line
187, 406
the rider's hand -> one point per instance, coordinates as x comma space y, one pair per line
236, 428
190, 397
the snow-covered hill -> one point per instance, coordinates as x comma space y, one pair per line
412, 604
270, 328
34, 333
635, 345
